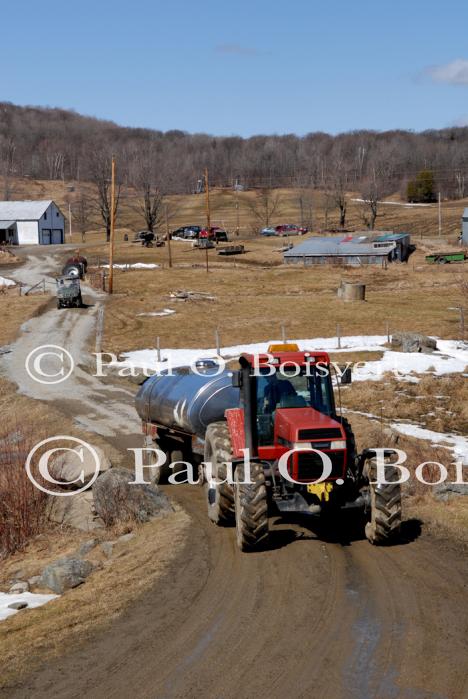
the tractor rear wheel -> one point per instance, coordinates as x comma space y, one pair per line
219, 496
251, 506
385, 505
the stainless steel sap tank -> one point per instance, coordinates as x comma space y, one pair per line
186, 400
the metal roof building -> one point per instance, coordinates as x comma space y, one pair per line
339, 250
31, 223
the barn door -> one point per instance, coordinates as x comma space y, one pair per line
57, 236
46, 236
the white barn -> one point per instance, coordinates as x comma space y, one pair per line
31, 223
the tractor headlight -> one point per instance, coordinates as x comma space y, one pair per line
301, 445
338, 444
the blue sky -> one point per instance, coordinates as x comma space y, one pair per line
242, 67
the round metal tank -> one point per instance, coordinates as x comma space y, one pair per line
186, 400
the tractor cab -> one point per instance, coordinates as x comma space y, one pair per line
287, 403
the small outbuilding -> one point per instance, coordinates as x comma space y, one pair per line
31, 223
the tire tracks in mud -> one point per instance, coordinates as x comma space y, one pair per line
303, 618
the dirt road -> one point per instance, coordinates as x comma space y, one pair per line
95, 405
305, 618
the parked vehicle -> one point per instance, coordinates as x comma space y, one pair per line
284, 229
68, 292
186, 232
219, 235
290, 229
280, 407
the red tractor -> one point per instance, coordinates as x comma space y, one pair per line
274, 427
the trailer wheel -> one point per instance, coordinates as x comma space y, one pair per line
219, 496
384, 521
251, 507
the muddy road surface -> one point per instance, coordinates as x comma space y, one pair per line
305, 618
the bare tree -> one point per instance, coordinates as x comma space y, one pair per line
101, 176
82, 212
338, 188
151, 206
328, 204
266, 204
373, 190
7, 158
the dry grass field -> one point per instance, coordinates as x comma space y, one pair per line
420, 221
15, 310
252, 300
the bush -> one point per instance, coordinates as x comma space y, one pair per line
22, 505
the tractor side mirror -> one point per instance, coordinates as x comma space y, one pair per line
346, 376
237, 379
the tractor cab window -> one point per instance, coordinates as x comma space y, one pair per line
308, 389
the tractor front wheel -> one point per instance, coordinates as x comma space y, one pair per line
251, 507
384, 521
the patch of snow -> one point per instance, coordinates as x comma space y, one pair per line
164, 312
456, 443
32, 599
394, 203
405, 366
6, 282
134, 265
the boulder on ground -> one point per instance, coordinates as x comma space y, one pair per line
413, 342
19, 587
75, 511
448, 491
117, 500
65, 574
34, 581
78, 466
86, 547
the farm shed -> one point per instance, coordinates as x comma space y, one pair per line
31, 223
402, 244
336, 250
465, 227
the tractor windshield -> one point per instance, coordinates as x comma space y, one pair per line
308, 388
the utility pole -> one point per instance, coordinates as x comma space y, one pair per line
237, 213
208, 214
69, 221
112, 230
168, 239
440, 217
